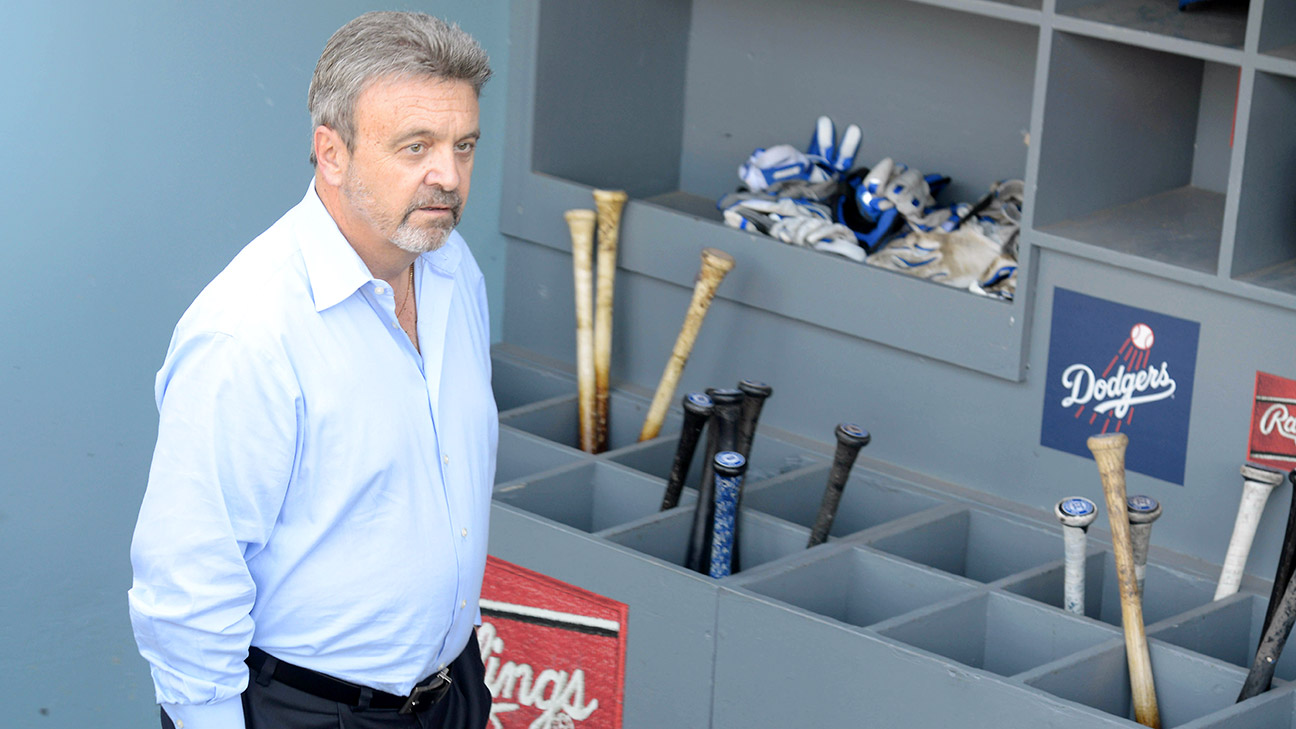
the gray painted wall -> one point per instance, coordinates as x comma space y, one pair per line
144, 144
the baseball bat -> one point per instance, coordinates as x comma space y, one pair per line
1260, 677
1286, 560
1257, 483
697, 409
1141, 511
850, 439
715, 264
609, 204
581, 223
755, 394
1076, 514
729, 467
1109, 453
721, 434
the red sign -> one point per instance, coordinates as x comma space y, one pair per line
554, 653
1273, 422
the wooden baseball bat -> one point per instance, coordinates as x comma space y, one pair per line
1257, 483
721, 435
1286, 559
1076, 514
1142, 511
850, 439
697, 409
1109, 453
581, 223
715, 264
609, 204
729, 467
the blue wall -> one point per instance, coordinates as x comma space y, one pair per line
144, 144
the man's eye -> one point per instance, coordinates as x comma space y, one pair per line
416, 148
466, 146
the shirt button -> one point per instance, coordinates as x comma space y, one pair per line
464, 532
463, 604
380, 290
395, 325
445, 460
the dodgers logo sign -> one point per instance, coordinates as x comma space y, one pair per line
1114, 368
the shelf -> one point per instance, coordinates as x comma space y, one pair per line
1219, 22
691, 100
1265, 252
1278, 31
1136, 163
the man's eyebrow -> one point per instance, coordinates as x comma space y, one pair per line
429, 134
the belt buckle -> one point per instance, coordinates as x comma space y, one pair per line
438, 684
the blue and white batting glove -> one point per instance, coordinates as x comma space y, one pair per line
823, 161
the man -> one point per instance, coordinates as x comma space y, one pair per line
310, 548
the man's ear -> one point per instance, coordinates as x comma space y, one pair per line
331, 156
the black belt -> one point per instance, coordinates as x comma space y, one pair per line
326, 687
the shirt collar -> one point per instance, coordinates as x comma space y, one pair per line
334, 270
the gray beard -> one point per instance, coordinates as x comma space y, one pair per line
407, 237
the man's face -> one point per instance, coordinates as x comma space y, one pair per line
407, 179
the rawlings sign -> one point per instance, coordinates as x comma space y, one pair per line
1107, 362
1273, 422
554, 653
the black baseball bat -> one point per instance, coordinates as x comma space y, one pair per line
850, 439
697, 409
1260, 677
729, 467
754, 399
721, 436
1286, 560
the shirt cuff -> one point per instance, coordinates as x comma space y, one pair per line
227, 714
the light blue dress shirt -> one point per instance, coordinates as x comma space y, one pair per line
319, 488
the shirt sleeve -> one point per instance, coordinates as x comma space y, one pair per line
226, 448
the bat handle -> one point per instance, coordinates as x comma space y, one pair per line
1142, 511
697, 409
729, 468
755, 394
581, 223
720, 437
608, 204
1260, 677
1076, 514
1257, 483
1286, 559
850, 439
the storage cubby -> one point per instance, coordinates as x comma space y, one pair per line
589, 497
866, 501
521, 454
1166, 592
761, 539
559, 420
1188, 686
1265, 252
517, 384
857, 586
769, 457
1136, 163
1228, 629
972, 543
998, 633
1278, 32
1217, 22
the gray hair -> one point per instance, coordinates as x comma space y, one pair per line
383, 45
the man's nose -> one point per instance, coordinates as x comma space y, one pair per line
442, 171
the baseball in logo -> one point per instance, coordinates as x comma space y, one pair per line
554, 653
1107, 361
1273, 422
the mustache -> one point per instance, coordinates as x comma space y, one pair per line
440, 198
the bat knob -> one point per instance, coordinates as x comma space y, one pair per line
1142, 509
730, 464
755, 388
1263, 474
1076, 511
698, 403
1292, 476
850, 434
725, 395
